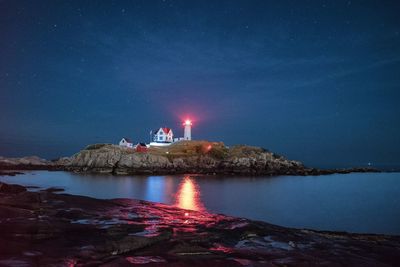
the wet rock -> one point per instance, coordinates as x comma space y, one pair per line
44, 229
9, 173
53, 189
144, 260
11, 188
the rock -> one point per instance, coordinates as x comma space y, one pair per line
26, 163
53, 189
182, 157
63, 161
11, 188
9, 173
48, 229
201, 157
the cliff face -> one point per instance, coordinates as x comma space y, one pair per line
182, 157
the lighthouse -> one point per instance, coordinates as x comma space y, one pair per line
187, 134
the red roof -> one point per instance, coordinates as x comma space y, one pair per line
166, 130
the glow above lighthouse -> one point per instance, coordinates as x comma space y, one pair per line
187, 134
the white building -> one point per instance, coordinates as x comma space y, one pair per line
126, 142
187, 133
163, 135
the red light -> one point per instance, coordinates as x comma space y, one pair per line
187, 122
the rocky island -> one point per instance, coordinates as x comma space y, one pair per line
45, 228
201, 157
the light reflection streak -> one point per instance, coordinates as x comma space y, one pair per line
188, 195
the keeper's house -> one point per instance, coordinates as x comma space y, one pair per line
163, 135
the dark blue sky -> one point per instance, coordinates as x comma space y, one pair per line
316, 81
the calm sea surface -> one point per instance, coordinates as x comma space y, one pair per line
357, 202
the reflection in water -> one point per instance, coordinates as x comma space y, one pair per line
188, 196
154, 188
351, 202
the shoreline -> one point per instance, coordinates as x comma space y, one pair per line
86, 230
307, 172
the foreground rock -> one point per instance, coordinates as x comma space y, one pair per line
188, 157
44, 228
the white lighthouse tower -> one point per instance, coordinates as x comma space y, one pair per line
187, 134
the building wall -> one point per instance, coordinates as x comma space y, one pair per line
160, 136
124, 143
187, 134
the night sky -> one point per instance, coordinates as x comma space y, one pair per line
316, 81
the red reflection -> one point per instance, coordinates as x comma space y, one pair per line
188, 196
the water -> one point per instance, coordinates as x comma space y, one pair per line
357, 202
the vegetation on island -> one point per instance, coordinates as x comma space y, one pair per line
217, 150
